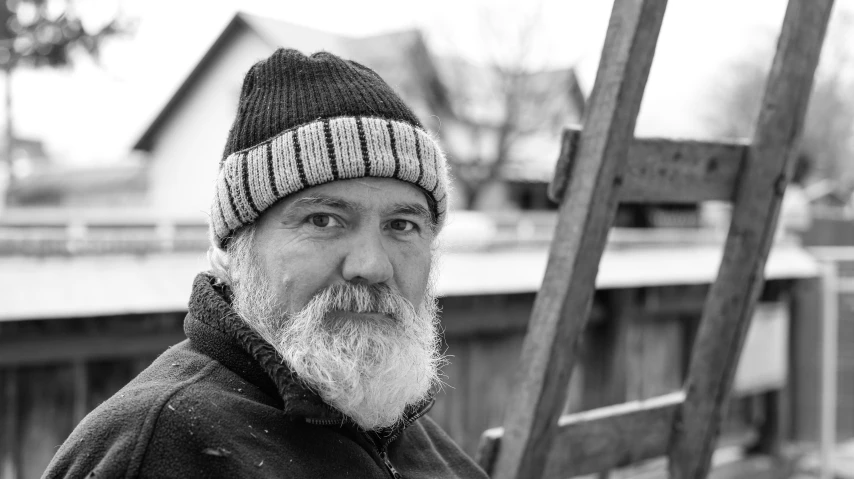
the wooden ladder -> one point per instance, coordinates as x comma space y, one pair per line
604, 164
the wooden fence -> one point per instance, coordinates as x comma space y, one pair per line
53, 371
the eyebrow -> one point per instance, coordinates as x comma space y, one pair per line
414, 209
337, 203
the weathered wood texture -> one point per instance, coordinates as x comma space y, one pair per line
36, 342
563, 303
9, 424
763, 180
484, 334
480, 376
85, 347
646, 354
664, 171
54, 371
43, 404
603, 438
805, 383
611, 437
44, 415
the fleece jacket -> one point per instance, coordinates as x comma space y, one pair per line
223, 404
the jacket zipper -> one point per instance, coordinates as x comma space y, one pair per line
406, 423
383, 448
323, 422
389, 465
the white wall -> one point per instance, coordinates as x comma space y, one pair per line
185, 157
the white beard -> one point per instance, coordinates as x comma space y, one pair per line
369, 369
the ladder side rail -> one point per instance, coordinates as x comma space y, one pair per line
563, 303
728, 309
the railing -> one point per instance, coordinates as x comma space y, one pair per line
64, 233
79, 239
57, 232
837, 280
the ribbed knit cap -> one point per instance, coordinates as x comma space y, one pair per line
307, 120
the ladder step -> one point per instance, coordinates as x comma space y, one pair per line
601, 439
609, 437
664, 171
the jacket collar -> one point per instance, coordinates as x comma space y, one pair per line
213, 324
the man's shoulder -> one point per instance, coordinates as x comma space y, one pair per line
425, 449
115, 437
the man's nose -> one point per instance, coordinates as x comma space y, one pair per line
367, 261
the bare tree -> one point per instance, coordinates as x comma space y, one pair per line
827, 150
498, 103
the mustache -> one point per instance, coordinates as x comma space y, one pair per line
361, 298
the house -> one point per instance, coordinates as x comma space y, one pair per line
184, 142
461, 103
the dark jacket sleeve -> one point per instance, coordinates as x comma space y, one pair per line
112, 440
109, 442
426, 451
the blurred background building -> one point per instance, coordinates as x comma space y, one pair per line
116, 115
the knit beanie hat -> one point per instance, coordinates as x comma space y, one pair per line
307, 120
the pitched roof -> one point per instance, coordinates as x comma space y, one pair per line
401, 58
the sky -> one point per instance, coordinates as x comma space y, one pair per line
92, 113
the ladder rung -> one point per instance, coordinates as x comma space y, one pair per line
664, 171
602, 438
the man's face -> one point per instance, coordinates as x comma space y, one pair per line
366, 231
337, 280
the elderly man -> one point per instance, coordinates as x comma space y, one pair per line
313, 347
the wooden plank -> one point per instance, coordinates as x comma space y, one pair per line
34, 351
45, 415
612, 437
80, 406
773, 430
733, 296
604, 353
805, 378
490, 381
660, 365
563, 303
10, 426
662, 170
599, 439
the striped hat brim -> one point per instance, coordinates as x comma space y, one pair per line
252, 180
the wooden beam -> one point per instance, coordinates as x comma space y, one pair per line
664, 171
733, 296
9, 466
612, 436
81, 390
29, 352
563, 303
599, 439
609, 437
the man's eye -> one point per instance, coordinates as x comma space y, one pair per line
322, 221
402, 225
